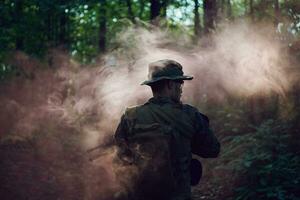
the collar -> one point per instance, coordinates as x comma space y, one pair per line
162, 100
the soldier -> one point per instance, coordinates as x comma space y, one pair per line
160, 136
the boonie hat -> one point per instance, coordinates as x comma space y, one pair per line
165, 69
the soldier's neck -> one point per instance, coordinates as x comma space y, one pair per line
161, 96
165, 98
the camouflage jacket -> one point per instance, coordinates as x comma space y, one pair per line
185, 123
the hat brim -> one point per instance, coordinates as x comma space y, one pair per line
184, 77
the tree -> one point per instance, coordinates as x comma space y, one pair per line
164, 5
18, 21
142, 8
158, 9
251, 10
102, 26
229, 10
62, 23
154, 11
130, 11
210, 13
222, 7
197, 27
225, 9
277, 12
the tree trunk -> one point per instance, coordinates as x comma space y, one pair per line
246, 6
130, 12
102, 26
155, 7
49, 24
197, 27
55, 27
19, 22
164, 5
210, 13
229, 10
62, 26
48, 27
222, 8
142, 7
277, 12
251, 10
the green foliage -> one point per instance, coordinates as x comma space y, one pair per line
7, 71
84, 36
265, 159
34, 26
292, 10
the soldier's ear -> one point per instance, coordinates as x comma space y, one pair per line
169, 84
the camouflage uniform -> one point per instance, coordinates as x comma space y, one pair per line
190, 127
181, 130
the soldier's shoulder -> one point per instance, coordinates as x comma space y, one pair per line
189, 108
194, 111
132, 110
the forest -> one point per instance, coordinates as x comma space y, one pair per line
69, 69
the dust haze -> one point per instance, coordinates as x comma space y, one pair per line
66, 109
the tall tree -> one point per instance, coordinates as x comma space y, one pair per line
222, 7
142, 8
155, 7
18, 17
164, 5
277, 12
62, 23
158, 9
229, 9
210, 14
251, 9
130, 11
102, 26
197, 27
225, 9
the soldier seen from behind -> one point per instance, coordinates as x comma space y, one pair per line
158, 138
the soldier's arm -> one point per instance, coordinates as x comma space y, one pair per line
204, 142
121, 140
121, 132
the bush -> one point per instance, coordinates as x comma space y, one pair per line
265, 164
